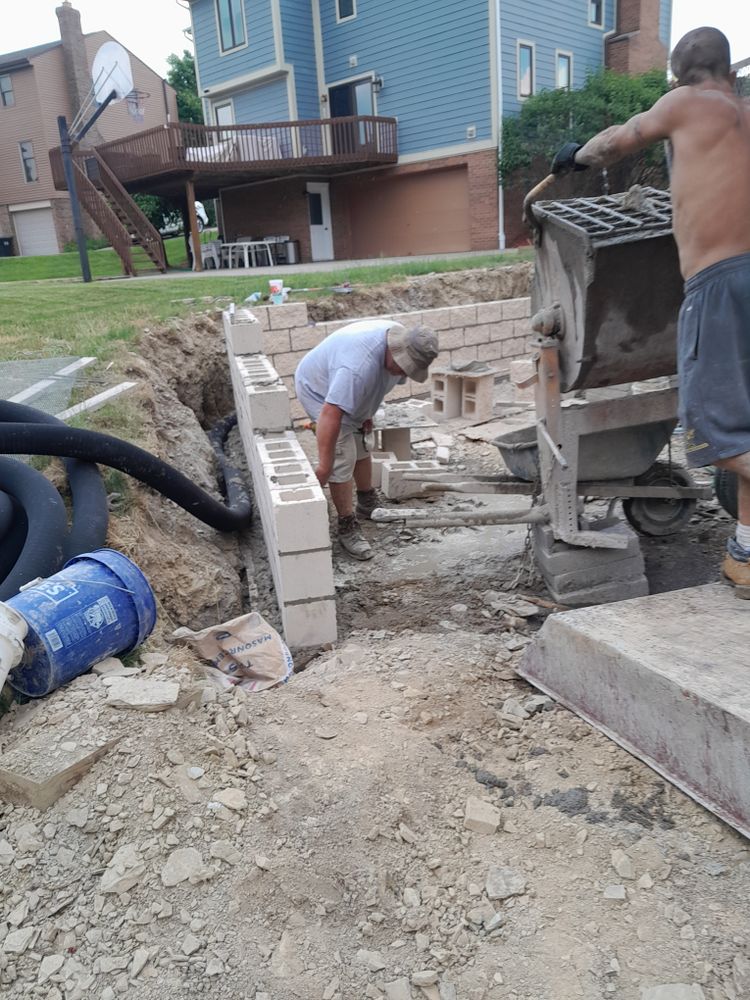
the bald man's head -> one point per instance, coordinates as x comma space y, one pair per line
699, 55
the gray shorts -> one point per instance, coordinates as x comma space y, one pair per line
713, 361
350, 448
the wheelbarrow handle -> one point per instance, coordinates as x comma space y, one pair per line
531, 197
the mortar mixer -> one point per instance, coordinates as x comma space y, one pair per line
605, 300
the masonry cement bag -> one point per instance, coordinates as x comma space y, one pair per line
246, 651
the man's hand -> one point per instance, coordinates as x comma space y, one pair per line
323, 475
565, 159
366, 426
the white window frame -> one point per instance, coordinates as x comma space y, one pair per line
30, 142
595, 24
523, 43
349, 17
12, 92
236, 48
569, 57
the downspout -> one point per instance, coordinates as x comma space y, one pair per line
500, 193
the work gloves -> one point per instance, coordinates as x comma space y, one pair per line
565, 159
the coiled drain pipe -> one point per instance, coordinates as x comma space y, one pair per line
40, 434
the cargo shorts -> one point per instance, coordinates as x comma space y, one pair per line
350, 449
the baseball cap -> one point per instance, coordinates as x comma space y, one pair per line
413, 350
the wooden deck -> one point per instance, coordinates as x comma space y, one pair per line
161, 159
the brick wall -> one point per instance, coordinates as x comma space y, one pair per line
495, 332
636, 47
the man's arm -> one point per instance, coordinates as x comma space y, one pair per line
328, 426
618, 141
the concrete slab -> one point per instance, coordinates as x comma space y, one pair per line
667, 677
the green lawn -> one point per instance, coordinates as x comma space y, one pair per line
104, 264
43, 317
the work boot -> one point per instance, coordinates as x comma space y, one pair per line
736, 565
352, 539
367, 502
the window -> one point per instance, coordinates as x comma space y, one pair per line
563, 70
345, 9
231, 24
596, 13
29, 161
525, 69
6, 92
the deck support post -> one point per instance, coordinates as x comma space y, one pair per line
195, 236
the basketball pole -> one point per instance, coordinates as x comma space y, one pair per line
66, 150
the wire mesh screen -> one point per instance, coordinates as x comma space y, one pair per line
44, 383
635, 214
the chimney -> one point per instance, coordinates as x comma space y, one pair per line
636, 45
75, 61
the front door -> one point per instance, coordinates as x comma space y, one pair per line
321, 234
347, 100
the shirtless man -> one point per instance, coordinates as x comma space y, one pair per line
708, 126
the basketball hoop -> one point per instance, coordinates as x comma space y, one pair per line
135, 101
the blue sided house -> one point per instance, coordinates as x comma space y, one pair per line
367, 128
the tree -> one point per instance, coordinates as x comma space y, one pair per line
181, 76
553, 117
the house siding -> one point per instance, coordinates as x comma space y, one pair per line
665, 22
259, 52
560, 25
299, 50
265, 102
24, 122
435, 90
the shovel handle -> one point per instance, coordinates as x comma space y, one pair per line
536, 192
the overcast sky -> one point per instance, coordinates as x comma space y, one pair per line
153, 29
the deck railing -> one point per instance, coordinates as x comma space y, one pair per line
282, 146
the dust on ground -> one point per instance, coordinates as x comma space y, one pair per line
311, 842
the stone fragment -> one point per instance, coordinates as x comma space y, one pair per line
481, 816
29, 840
622, 864
645, 882
504, 882
140, 958
190, 944
361, 718
112, 667
225, 851
326, 734
113, 963
7, 854
372, 960
673, 991
232, 798
195, 772
142, 695
125, 870
181, 865
19, 913
263, 862
399, 989
78, 817
741, 974
426, 977
407, 834
35, 774
49, 965
16, 942
214, 967
513, 709
411, 898
615, 892
175, 757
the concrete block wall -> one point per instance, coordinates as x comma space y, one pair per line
292, 507
495, 332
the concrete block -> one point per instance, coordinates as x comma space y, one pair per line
516, 308
393, 484
555, 558
287, 316
665, 677
284, 446
446, 395
276, 342
464, 354
37, 770
266, 407
243, 332
378, 458
397, 440
615, 569
304, 338
477, 396
522, 328
301, 576
437, 319
310, 624
481, 816
463, 315
602, 593
479, 334
300, 519
450, 339
516, 347
489, 312
286, 364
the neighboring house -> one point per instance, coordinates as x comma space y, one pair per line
37, 85
445, 72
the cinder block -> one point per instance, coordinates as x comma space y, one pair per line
378, 458
446, 395
300, 519
490, 352
489, 312
286, 364
437, 319
463, 315
464, 354
309, 624
397, 440
393, 484
243, 332
516, 308
479, 334
287, 316
515, 348
555, 558
450, 339
276, 342
278, 447
304, 338
304, 575
267, 407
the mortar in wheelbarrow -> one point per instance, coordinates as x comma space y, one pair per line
622, 453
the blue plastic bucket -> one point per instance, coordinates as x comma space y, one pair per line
99, 604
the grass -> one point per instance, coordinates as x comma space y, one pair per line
104, 263
42, 317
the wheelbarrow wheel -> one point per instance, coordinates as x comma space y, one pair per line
654, 516
725, 487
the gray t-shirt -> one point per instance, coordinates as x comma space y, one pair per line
347, 369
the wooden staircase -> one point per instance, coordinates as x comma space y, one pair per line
114, 211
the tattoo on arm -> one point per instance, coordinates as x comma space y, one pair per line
599, 152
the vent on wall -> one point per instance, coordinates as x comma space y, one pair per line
471, 131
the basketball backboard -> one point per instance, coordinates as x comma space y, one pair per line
111, 70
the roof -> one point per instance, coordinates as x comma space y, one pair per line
15, 60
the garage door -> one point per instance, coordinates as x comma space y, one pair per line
35, 232
426, 212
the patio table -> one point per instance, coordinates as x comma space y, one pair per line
249, 248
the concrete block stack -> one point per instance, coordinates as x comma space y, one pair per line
462, 394
396, 487
291, 504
